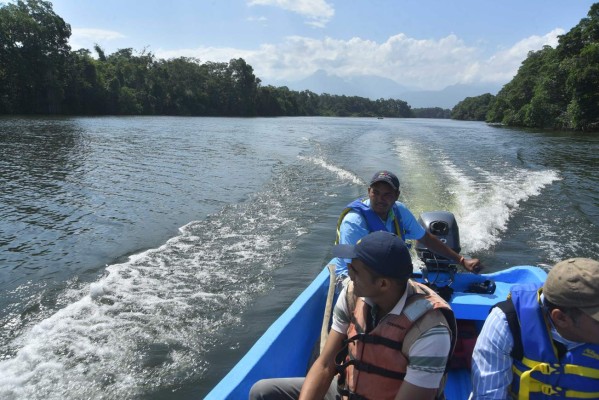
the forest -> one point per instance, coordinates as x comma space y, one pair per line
555, 88
41, 74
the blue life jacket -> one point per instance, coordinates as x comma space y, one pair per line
541, 373
373, 221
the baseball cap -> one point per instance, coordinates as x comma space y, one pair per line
387, 177
574, 283
383, 252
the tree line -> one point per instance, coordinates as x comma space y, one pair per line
555, 88
40, 74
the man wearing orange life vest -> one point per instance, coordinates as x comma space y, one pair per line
391, 338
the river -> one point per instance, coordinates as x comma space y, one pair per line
140, 257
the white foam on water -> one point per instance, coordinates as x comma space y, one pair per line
483, 201
340, 172
485, 206
96, 345
148, 322
553, 243
93, 345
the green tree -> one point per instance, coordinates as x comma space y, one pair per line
84, 91
33, 55
473, 108
432, 112
556, 88
218, 88
131, 71
40, 74
583, 86
179, 85
244, 87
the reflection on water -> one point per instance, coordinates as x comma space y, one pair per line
42, 163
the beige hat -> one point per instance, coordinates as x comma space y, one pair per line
574, 283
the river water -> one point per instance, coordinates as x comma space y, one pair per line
140, 257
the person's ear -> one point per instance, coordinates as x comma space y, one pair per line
560, 318
384, 283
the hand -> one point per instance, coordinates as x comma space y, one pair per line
473, 265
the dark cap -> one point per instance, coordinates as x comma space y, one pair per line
387, 177
381, 251
574, 283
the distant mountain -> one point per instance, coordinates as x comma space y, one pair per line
448, 97
375, 87
370, 86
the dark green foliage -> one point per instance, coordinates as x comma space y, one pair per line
473, 108
433, 112
40, 74
33, 57
555, 88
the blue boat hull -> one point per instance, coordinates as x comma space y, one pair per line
285, 348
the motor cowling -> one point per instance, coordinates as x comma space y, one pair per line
443, 225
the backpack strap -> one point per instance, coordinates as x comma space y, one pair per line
507, 306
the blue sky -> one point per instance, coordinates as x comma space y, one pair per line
425, 44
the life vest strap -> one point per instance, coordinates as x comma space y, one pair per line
530, 385
582, 371
548, 390
341, 363
544, 368
527, 383
344, 392
548, 369
373, 369
373, 339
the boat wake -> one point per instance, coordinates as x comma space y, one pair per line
484, 200
485, 205
341, 173
149, 322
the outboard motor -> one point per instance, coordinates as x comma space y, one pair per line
443, 225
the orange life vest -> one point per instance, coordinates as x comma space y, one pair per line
376, 358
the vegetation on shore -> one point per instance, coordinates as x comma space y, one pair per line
40, 74
555, 88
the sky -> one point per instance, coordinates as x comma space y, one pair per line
421, 44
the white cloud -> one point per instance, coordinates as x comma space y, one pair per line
87, 37
427, 64
204, 54
503, 65
318, 12
96, 34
